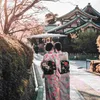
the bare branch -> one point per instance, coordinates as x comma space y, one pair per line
24, 29
5, 12
27, 8
15, 18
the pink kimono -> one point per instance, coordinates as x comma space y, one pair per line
51, 81
64, 80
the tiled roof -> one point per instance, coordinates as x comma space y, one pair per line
89, 9
89, 23
77, 11
66, 24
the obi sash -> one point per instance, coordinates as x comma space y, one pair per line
48, 67
64, 66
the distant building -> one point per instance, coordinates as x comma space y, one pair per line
77, 20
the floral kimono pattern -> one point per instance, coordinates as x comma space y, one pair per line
51, 81
64, 81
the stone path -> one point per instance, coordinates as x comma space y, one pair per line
87, 84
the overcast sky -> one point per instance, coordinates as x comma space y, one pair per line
65, 6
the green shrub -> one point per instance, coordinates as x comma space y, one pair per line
15, 61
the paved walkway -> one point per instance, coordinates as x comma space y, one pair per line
83, 85
87, 84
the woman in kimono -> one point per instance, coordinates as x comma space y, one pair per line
64, 80
51, 75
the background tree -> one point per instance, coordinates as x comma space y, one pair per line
85, 42
19, 16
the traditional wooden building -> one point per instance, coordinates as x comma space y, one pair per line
72, 14
90, 10
77, 20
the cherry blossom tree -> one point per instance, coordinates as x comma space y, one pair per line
14, 16
19, 16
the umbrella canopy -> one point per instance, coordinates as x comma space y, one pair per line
46, 35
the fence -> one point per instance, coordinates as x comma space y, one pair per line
39, 84
83, 56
